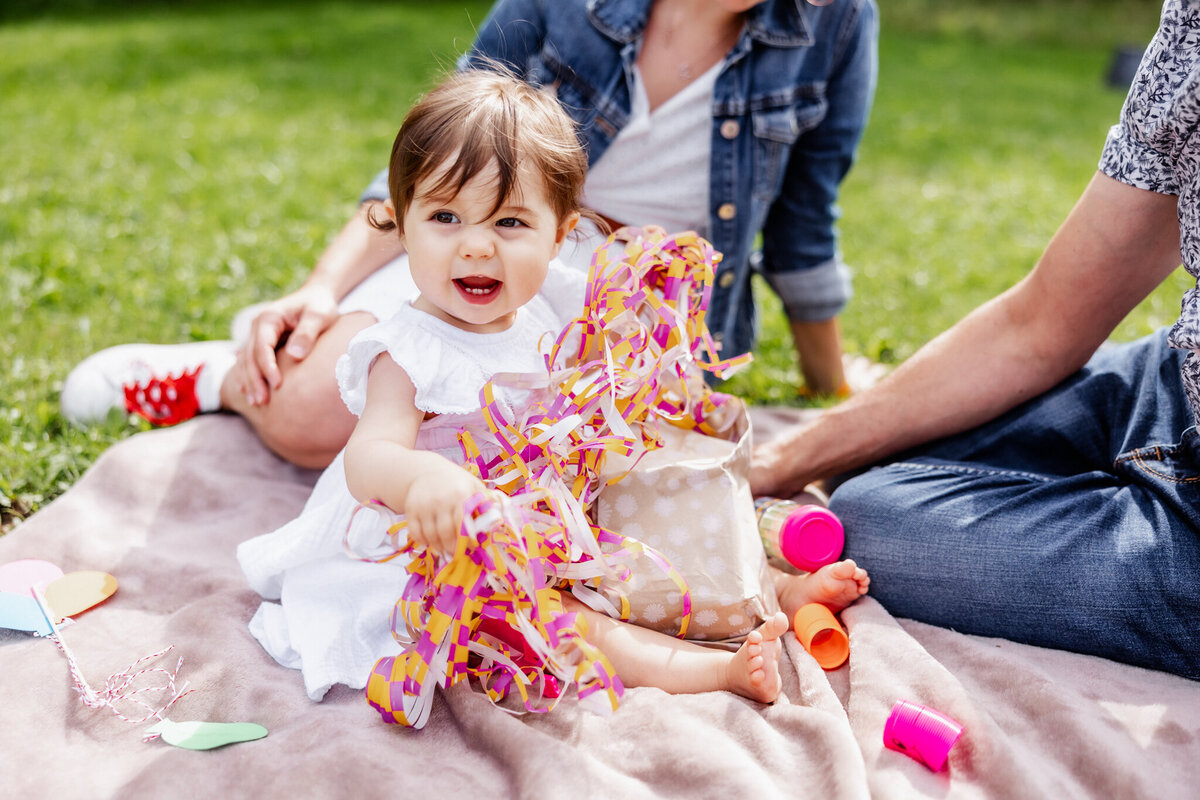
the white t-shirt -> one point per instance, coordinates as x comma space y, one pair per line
657, 168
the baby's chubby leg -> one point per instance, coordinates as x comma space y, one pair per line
835, 585
645, 657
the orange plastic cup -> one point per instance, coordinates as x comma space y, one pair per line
822, 635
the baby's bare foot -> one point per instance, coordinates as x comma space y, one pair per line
835, 585
754, 670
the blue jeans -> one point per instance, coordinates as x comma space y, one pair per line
1071, 522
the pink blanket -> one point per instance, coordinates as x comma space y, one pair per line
164, 511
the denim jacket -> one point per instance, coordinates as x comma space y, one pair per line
789, 107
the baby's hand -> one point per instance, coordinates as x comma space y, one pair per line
634, 233
434, 506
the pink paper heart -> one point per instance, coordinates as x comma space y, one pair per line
20, 577
76, 592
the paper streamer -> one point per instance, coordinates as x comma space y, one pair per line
495, 592
631, 361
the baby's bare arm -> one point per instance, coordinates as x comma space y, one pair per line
382, 464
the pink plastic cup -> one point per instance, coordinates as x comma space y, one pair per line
806, 536
921, 733
811, 538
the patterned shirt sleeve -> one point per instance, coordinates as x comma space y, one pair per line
1143, 148
1129, 159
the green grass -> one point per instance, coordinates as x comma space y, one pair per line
166, 164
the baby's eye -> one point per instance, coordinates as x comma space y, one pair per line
509, 222
444, 217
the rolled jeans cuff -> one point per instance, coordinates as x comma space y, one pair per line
814, 294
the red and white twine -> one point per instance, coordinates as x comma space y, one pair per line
122, 687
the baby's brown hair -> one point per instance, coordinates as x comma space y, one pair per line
474, 118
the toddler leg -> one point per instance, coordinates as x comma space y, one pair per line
645, 657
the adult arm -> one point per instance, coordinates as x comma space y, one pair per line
800, 230
1117, 244
382, 465
355, 253
800, 250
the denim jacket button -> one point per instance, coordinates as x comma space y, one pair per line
730, 128
727, 211
726, 280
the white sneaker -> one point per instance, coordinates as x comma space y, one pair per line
164, 383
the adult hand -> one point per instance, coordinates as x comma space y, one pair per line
433, 506
357, 251
769, 472
635, 233
300, 317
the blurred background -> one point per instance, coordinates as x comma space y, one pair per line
163, 164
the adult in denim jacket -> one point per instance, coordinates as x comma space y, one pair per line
793, 85
789, 108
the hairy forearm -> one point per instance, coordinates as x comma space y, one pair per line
1117, 244
977, 370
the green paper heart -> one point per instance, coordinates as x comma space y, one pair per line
206, 735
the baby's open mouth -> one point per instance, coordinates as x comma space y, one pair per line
477, 287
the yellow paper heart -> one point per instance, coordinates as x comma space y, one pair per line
76, 592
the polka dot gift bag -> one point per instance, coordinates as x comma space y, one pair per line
690, 500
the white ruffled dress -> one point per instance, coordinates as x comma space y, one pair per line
328, 613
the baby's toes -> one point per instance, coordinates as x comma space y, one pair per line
845, 570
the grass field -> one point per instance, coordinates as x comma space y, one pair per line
166, 164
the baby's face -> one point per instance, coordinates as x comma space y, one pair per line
476, 267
